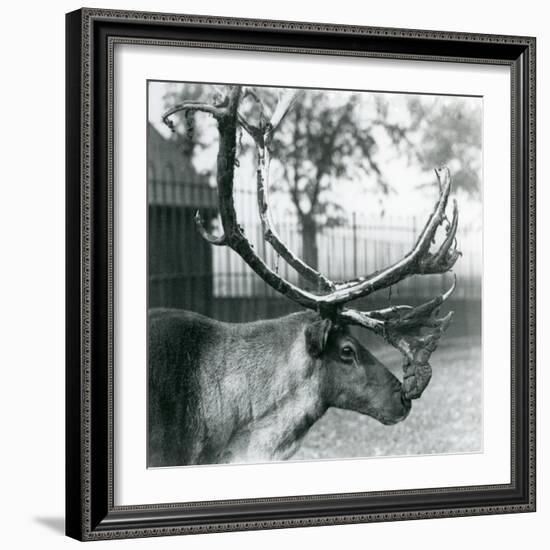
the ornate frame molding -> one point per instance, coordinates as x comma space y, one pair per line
91, 36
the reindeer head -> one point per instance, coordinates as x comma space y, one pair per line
414, 331
352, 377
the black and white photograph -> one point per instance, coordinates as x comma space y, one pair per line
300, 275
314, 274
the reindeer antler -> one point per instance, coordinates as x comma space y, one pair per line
414, 331
402, 327
262, 136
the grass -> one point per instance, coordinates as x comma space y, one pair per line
446, 419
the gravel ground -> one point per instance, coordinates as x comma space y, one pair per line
446, 419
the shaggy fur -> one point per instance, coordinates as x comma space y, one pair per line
221, 392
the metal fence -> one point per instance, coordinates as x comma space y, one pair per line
184, 271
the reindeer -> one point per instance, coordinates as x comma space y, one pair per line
222, 392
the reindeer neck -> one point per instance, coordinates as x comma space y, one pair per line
281, 397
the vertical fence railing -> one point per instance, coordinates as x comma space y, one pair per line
184, 271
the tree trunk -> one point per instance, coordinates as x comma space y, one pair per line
310, 253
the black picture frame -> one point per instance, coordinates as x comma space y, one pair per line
90, 512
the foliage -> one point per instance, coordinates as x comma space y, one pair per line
319, 143
330, 137
449, 132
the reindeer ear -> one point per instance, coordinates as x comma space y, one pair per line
317, 334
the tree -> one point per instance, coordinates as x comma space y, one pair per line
328, 136
449, 132
325, 137
321, 141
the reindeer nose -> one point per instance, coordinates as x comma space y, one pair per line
400, 408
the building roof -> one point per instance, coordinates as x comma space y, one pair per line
171, 176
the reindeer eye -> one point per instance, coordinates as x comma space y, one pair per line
347, 353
